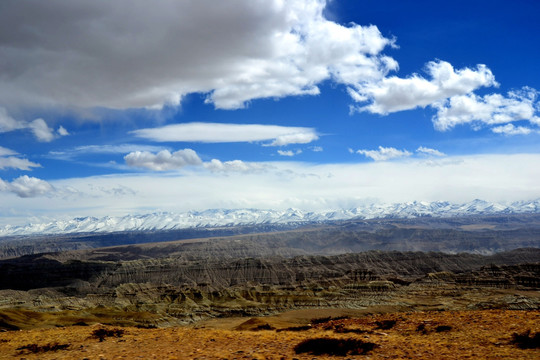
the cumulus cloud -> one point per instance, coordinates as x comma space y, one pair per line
222, 133
491, 109
392, 94
384, 153
26, 187
163, 160
237, 166
429, 152
89, 54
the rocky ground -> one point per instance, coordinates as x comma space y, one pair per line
256, 297
478, 334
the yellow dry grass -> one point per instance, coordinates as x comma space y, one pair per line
483, 334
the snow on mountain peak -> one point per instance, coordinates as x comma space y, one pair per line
233, 217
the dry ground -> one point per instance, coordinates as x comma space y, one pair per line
420, 335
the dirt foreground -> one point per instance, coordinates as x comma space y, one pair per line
487, 334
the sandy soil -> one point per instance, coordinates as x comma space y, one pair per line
420, 335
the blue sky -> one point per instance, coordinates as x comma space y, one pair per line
118, 108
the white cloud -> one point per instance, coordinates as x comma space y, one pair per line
163, 160
5, 151
221, 133
282, 185
26, 187
428, 151
296, 138
11, 159
235, 166
17, 163
41, 131
289, 152
492, 109
392, 94
510, 129
38, 127
7, 123
384, 153
316, 148
101, 149
96, 54
62, 131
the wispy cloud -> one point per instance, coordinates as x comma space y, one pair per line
390, 153
289, 152
17, 163
384, 153
11, 159
78, 151
224, 133
38, 127
510, 129
235, 166
5, 151
7, 123
429, 152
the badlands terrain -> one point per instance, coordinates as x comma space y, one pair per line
460, 287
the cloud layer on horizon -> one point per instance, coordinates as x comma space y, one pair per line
280, 185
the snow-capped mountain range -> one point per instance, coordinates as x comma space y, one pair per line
220, 217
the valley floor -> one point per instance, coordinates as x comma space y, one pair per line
475, 334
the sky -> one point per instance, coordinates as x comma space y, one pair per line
126, 107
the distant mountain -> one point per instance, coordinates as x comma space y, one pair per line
241, 217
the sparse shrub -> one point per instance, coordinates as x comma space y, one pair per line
338, 347
101, 334
385, 324
146, 326
35, 348
296, 328
526, 340
421, 328
343, 330
327, 319
265, 327
443, 328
